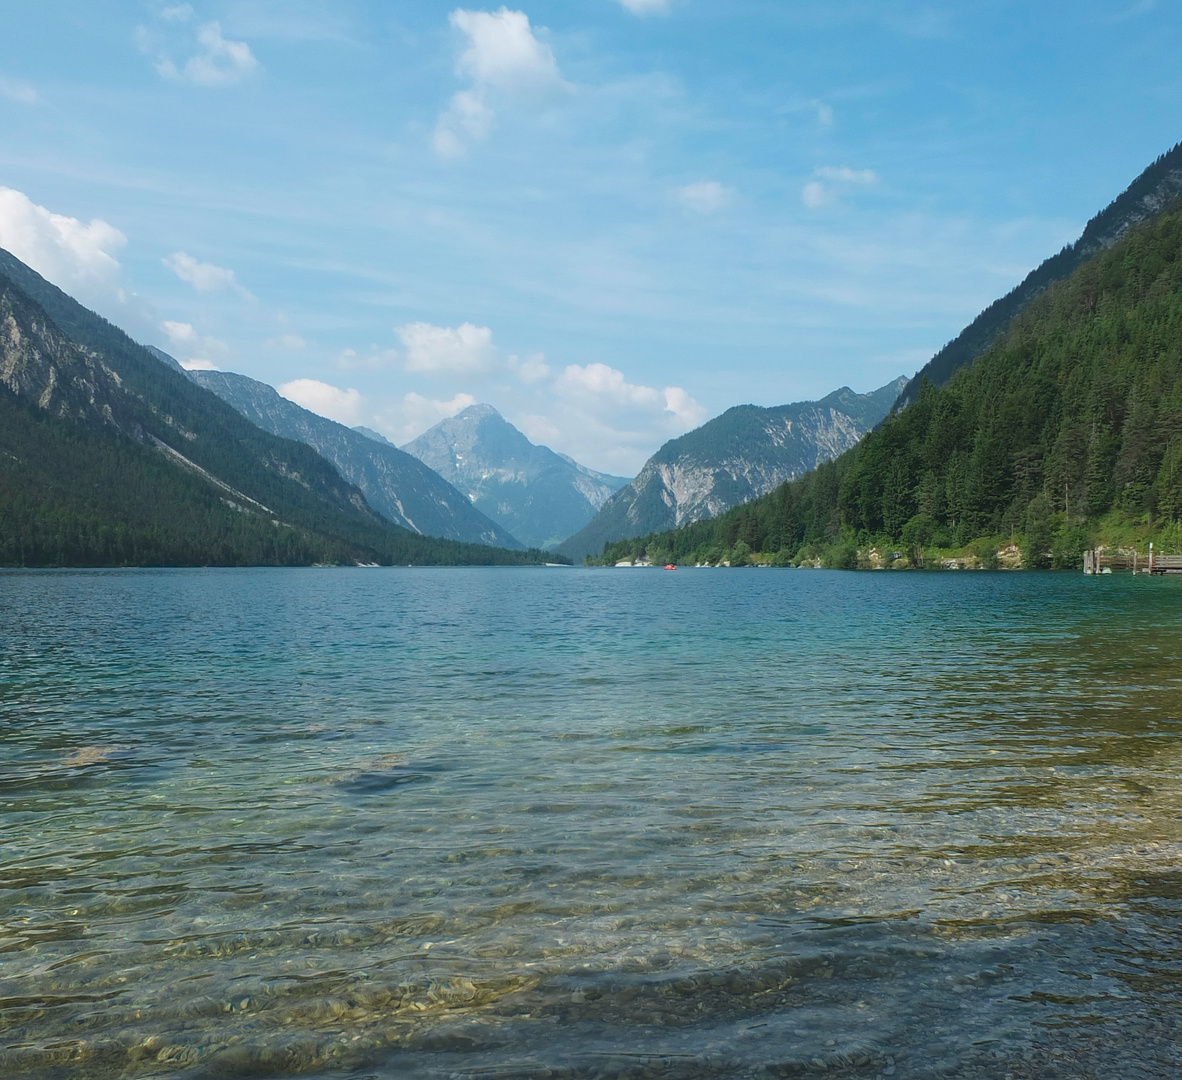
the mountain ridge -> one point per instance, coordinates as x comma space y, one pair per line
738, 455
397, 485
110, 457
538, 495
1062, 436
1145, 197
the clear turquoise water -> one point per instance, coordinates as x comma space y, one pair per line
528, 823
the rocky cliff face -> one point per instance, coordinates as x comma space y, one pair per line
38, 362
397, 485
738, 456
539, 496
113, 412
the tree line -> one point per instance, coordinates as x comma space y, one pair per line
1066, 431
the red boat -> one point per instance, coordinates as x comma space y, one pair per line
670, 566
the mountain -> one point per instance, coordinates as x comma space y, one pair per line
538, 495
1144, 198
397, 485
369, 433
1066, 432
735, 457
110, 457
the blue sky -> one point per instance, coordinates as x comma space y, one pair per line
609, 218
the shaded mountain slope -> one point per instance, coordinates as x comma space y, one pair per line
1143, 199
108, 456
541, 497
735, 457
396, 484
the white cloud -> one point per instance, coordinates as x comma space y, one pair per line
601, 419
502, 51
344, 406
76, 257
217, 61
599, 385
420, 413
191, 349
16, 90
204, 277
532, 370
466, 349
705, 197
824, 191
681, 405
646, 7
409, 417
179, 333
502, 57
824, 114
177, 13
601, 381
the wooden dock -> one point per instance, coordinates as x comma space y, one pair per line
1096, 562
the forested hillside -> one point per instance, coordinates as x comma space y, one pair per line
1068, 429
110, 457
742, 454
1143, 199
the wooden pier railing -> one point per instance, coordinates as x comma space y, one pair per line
1096, 562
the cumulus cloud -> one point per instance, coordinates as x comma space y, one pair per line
831, 180
600, 384
420, 413
645, 7
441, 350
16, 90
344, 406
532, 370
705, 197
503, 52
204, 277
502, 57
603, 420
192, 350
77, 257
605, 382
683, 407
217, 61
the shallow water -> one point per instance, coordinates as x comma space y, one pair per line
576, 823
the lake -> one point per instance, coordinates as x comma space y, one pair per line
474, 823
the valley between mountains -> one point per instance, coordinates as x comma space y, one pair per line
1048, 426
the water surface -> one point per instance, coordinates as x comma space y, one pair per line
574, 823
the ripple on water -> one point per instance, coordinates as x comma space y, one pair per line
698, 825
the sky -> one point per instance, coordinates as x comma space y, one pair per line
610, 219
